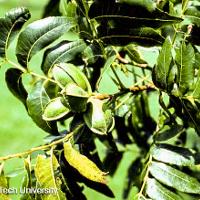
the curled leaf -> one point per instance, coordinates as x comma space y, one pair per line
55, 110
98, 120
66, 73
75, 97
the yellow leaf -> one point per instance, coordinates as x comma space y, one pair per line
83, 165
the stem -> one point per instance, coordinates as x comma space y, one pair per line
43, 147
17, 66
117, 77
140, 194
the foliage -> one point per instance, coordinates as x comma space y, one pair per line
68, 98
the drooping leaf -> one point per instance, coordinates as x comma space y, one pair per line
162, 76
75, 97
10, 26
45, 174
83, 165
65, 73
15, 85
55, 110
98, 120
174, 178
185, 60
173, 155
40, 34
36, 103
156, 191
62, 52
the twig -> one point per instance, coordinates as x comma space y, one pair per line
43, 147
145, 177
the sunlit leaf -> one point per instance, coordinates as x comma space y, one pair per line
40, 34
162, 77
65, 73
173, 155
185, 60
174, 178
76, 98
98, 120
44, 172
83, 165
62, 52
156, 191
55, 110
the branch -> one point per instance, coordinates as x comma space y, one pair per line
43, 147
134, 89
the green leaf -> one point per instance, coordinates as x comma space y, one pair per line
156, 191
196, 91
55, 110
10, 26
106, 67
92, 53
75, 97
173, 155
62, 52
174, 178
148, 4
184, 5
15, 85
141, 36
36, 102
162, 76
185, 61
4, 183
192, 16
40, 34
98, 120
44, 172
168, 132
134, 54
65, 73
83, 165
